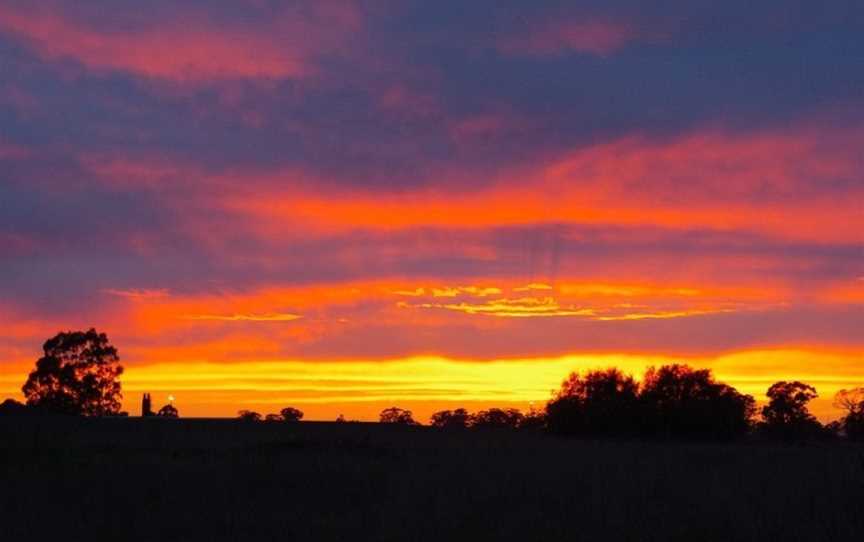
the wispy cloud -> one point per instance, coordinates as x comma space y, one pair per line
138, 293
264, 317
525, 307
185, 45
587, 35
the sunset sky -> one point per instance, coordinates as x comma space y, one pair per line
348, 205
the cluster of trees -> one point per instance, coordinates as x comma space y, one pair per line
672, 401
78, 374
505, 418
287, 414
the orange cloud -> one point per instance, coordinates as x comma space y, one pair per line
264, 317
850, 291
523, 307
710, 180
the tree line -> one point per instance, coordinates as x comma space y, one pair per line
78, 374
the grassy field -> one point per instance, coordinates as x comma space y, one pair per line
150, 479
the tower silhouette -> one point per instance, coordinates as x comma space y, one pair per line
146, 409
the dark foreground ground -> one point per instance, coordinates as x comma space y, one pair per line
165, 480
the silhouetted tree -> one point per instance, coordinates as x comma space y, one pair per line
78, 374
273, 418
786, 415
168, 411
602, 402
852, 401
340, 418
450, 419
249, 416
508, 418
11, 407
291, 414
397, 415
679, 401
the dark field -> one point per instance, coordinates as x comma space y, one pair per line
134, 479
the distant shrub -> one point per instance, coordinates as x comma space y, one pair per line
533, 420
11, 407
509, 418
249, 416
168, 411
450, 419
397, 415
290, 414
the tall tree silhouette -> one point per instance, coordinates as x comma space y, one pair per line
78, 374
852, 401
786, 414
679, 401
602, 402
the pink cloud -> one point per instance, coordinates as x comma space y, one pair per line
405, 100
188, 47
12, 151
598, 37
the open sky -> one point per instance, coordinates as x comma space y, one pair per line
346, 205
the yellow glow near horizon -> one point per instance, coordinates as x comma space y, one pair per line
360, 389
425, 384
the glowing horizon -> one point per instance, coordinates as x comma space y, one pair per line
424, 384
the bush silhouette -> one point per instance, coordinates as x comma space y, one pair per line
78, 374
290, 414
507, 418
249, 416
397, 415
533, 420
168, 411
11, 407
786, 415
450, 419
